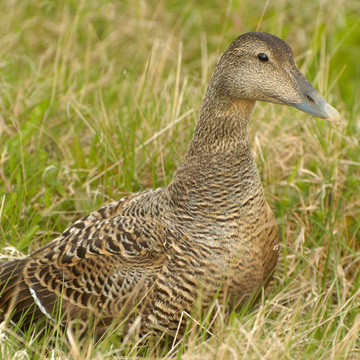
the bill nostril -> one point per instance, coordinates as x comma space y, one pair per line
310, 99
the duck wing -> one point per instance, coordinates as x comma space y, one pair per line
104, 267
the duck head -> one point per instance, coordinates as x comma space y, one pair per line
260, 66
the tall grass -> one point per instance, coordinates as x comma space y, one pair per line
98, 99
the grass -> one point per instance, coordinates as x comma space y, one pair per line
98, 99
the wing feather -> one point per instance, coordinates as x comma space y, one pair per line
105, 267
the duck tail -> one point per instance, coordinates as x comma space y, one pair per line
15, 296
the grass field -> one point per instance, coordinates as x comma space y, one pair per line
99, 99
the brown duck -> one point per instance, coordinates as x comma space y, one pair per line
209, 234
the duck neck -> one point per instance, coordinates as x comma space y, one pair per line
222, 125
219, 165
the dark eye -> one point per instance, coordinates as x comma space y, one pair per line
263, 57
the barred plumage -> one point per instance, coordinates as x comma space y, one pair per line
209, 232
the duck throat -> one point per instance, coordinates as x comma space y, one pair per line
222, 125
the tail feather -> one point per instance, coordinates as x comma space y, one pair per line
15, 297
26, 305
11, 281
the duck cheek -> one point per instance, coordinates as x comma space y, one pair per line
289, 95
279, 96
284, 92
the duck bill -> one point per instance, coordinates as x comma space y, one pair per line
313, 103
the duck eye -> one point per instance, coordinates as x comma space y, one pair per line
263, 57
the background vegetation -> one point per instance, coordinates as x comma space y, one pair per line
99, 99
